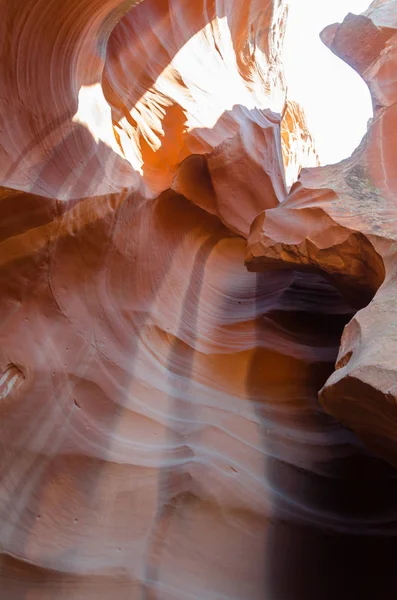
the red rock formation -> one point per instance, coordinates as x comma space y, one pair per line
160, 432
297, 142
340, 220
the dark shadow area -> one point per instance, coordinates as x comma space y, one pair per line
333, 529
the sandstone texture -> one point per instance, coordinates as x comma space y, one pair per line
340, 220
160, 431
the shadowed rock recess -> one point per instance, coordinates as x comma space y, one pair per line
198, 390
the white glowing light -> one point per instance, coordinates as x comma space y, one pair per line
336, 100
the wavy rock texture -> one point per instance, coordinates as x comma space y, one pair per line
160, 431
340, 220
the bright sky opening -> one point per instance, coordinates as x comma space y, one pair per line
335, 98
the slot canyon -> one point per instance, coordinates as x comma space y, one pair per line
198, 372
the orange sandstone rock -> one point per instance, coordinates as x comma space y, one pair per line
297, 142
340, 220
160, 435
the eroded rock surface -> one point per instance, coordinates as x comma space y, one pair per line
160, 433
341, 220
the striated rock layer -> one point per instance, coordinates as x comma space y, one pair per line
340, 220
160, 432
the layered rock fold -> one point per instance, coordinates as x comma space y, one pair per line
340, 220
160, 433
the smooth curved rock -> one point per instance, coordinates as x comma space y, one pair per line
126, 109
340, 220
160, 434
